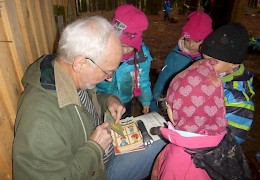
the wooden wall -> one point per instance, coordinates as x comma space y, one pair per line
27, 31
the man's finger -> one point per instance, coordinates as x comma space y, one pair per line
105, 125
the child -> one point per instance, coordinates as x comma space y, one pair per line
132, 76
186, 52
228, 45
167, 8
197, 111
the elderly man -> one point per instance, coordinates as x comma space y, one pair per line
58, 132
59, 129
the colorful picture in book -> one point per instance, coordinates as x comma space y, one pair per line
123, 141
131, 129
135, 138
131, 141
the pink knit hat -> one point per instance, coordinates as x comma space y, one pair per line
130, 22
196, 98
198, 27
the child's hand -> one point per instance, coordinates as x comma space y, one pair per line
146, 109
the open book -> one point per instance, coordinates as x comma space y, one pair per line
132, 140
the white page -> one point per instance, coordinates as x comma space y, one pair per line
152, 119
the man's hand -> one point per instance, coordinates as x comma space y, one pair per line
102, 135
116, 108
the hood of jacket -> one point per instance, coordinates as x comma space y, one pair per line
190, 140
43, 70
174, 163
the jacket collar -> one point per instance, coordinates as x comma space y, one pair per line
189, 140
65, 88
232, 75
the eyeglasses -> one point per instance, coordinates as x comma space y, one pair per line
108, 74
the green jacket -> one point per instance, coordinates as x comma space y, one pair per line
52, 128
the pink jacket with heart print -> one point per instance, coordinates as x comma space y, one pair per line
174, 163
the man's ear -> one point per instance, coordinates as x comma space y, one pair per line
78, 62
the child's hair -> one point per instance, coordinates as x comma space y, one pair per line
198, 26
130, 22
228, 43
196, 98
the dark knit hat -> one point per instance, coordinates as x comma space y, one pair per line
228, 43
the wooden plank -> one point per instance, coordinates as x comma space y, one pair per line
10, 83
10, 90
40, 16
24, 14
48, 22
13, 33
9, 95
6, 136
25, 34
5, 163
6, 125
34, 26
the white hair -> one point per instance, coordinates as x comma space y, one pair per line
87, 36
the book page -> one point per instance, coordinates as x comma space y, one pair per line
131, 140
152, 119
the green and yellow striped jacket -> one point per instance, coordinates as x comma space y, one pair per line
238, 90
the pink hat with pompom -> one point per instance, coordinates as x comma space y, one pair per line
196, 98
198, 26
130, 22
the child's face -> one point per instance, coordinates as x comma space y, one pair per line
192, 45
127, 49
222, 66
170, 114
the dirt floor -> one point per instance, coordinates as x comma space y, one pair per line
162, 36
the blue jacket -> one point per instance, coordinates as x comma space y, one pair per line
123, 80
175, 62
239, 91
167, 7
